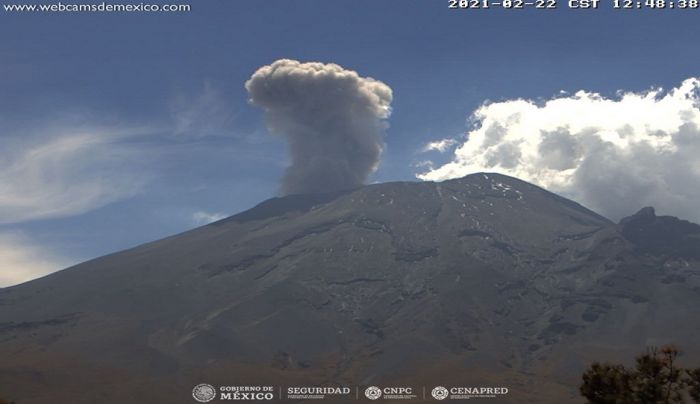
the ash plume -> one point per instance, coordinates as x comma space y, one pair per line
332, 118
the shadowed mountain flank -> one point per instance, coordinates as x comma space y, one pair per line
483, 280
665, 235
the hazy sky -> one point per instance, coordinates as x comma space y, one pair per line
116, 129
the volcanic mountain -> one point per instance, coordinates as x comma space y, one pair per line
481, 281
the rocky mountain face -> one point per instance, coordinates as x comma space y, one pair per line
481, 281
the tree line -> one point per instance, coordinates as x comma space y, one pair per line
656, 378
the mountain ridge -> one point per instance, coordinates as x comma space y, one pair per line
486, 278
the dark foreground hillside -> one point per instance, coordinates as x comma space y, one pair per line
484, 280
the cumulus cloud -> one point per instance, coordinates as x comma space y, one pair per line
65, 175
612, 154
21, 261
332, 118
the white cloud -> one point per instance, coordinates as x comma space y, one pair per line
613, 154
66, 174
440, 145
21, 261
201, 217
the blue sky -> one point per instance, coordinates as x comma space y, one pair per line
117, 129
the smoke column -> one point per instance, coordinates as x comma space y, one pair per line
332, 118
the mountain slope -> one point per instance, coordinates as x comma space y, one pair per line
484, 280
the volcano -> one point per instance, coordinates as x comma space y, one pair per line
480, 281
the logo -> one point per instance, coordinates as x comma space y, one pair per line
440, 393
316, 392
373, 392
204, 393
467, 392
247, 393
390, 393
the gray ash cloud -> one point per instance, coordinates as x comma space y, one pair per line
332, 118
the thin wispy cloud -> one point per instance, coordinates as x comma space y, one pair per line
204, 113
201, 217
66, 166
72, 163
66, 174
